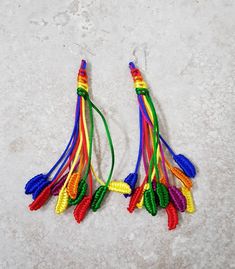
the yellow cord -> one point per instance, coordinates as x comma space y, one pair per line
62, 201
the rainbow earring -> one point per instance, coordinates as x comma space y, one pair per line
156, 189
72, 175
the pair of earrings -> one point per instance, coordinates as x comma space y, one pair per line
71, 177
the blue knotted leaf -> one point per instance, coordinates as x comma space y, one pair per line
186, 165
131, 180
32, 184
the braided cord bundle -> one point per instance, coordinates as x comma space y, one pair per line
156, 190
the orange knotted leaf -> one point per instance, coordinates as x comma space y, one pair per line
182, 177
72, 187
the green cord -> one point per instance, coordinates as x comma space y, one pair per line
84, 94
86, 97
90, 137
109, 140
144, 91
155, 133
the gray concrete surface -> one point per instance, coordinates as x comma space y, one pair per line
186, 52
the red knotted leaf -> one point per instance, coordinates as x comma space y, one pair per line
172, 216
135, 199
81, 209
41, 199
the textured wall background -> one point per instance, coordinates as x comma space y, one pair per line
186, 52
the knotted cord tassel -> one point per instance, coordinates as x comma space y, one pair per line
100, 193
71, 177
161, 192
148, 145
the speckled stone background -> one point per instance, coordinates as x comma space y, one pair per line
186, 50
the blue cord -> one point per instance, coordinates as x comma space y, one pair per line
68, 145
140, 143
74, 140
167, 146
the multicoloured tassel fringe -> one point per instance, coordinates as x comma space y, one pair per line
156, 191
71, 178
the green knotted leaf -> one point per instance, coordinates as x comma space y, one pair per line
98, 197
82, 188
149, 202
163, 195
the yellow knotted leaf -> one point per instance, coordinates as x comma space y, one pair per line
119, 186
189, 199
62, 201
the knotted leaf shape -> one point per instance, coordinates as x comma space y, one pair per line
149, 202
32, 184
41, 199
82, 188
172, 216
81, 209
62, 201
189, 199
98, 197
182, 177
163, 195
131, 180
40, 187
72, 187
185, 164
135, 197
119, 186
58, 185
177, 198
